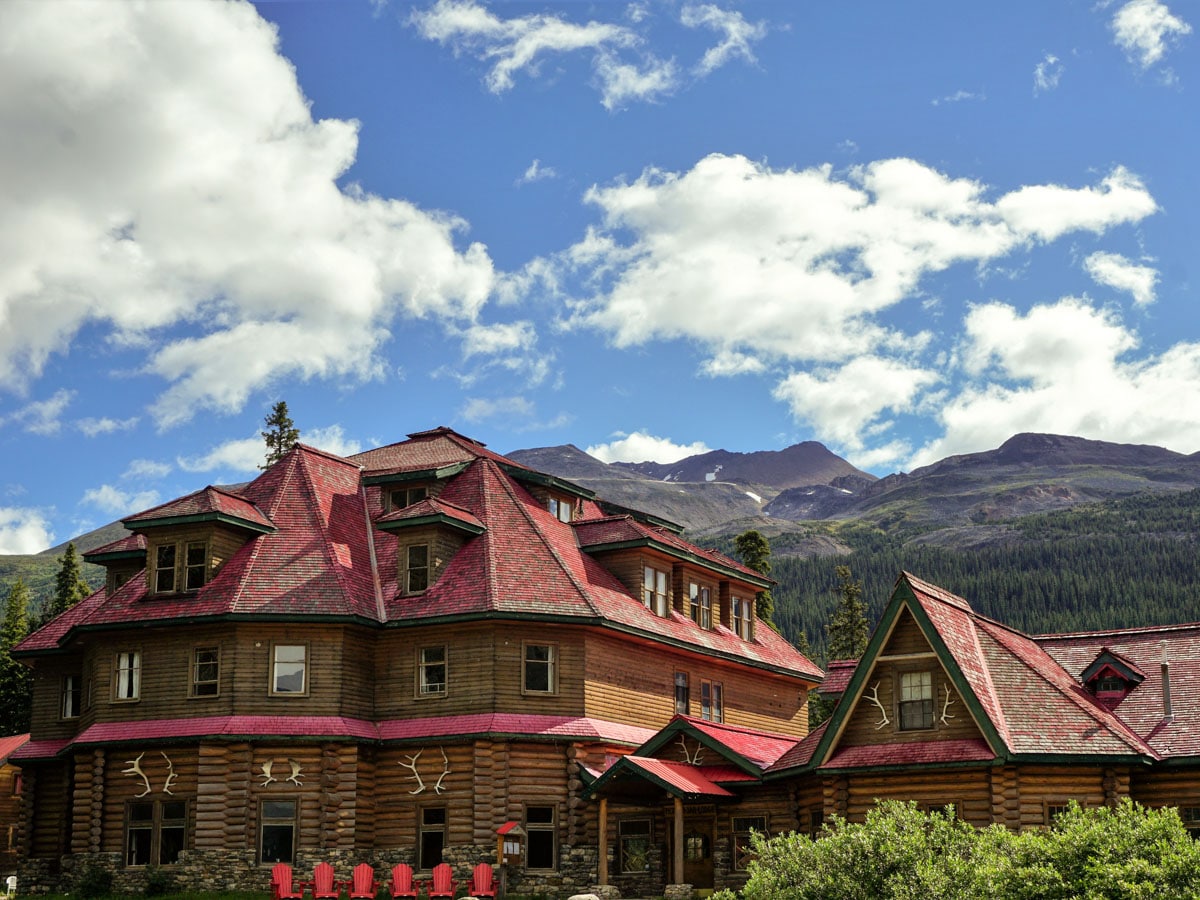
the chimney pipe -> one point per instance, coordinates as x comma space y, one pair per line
1166, 684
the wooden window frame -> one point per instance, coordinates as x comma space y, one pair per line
683, 694
622, 836
156, 825
740, 839
410, 570
658, 602
158, 569
743, 625
411, 495
1053, 807
712, 700
196, 682
274, 676
278, 822
134, 688
550, 828
190, 567
902, 704
71, 700
700, 604
551, 664
563, 510
424, 828
422, 665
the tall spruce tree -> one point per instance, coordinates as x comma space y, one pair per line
16, 681
755, 551
281, 434
847, 627
69, 584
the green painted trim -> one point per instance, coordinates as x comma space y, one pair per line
674, 552
431, 519
615, 509
1106, 658
681, 726
435, 474
550, 481
115, 556
621, 766
219, 517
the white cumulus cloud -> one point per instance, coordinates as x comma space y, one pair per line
1145, 28
1117, 272
239, 455
23, 531
332, 439
641, 446
117, 502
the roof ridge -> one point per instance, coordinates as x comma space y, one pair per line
1114, 632
332, 562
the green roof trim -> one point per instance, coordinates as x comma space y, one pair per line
114, 556
623, 767
759, 581
219, 518
615, 509
682, 727
431, 519
435, 474
551, 481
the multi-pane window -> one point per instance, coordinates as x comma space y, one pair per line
164, 568
816, 819
539, 837
277, 831
155, 832
431, 670
288, 669
701, 605
1191, 819
712, 701
562, 510
655, 590
433, 836
1056, 808
72, 693
916, 700
195, 565
743, 826
206, 672
682, 694
127, 677
539, 668
634, 841
417, 569
742, 617
402, 497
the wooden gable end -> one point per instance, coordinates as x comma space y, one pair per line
892, 705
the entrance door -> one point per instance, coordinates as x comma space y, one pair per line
697, 854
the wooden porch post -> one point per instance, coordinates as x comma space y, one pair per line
678, 840
603, 861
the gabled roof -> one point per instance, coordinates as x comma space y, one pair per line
210, 504
749, 749
426, 451
677, 779
132, 546
431, 512
1023, 702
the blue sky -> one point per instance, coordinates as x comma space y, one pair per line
906, 230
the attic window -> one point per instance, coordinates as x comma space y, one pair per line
402, 497
1110, 684
563, 510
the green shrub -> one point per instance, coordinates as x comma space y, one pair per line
159, 883
93, 881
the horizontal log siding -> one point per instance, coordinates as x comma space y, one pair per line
1166, 788
398, 807
1055, 785
970, 791
49, 802
470, 673
48, 675
635, 683
119, 788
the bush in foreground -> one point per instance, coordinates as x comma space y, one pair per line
900, 853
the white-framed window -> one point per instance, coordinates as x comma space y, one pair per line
402, 497
916, 700
700, 600
127, 675
164, 569
155, 832
416, 570
743, 827
656, 590
634, 840
682, 694
206, 671
742, 617
289, 669
712, 701
538, 670
431, 671
540, 834
563, 510
432, 840
72, 694
277, 830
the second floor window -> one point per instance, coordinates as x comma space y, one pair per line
742, 618
164, 569
539, 668
402, 497
289, 668
417, 568
431, 671
206, 672
916, 700
127, 680
712, 701
71, 695
682, 694
195, 566
701, 605
654, 590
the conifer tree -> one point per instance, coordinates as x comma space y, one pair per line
69, 584
281, 434
755, 551
847, 627
16, 681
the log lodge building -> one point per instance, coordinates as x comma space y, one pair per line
391, 657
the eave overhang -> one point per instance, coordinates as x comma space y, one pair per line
433, 519
758, 581
541, 479
437, 473
218, 518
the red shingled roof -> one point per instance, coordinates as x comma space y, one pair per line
9, 745
910, 753
130, 544
762, 748
679, 776
209, 501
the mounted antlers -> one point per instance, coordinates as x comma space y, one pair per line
445, 771
874, 698
946, 706
294, 778
266, 772
135, 768
412, 764
171, 776
691, 758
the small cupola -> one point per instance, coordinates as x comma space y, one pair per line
1110, 677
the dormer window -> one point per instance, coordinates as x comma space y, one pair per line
1111, 676
417, 571
195, 566
742, 617
563, 510
164, 569
168, 573
403, 497
701, 605
655, 590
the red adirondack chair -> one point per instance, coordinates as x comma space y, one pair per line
482, 884
402, 883
281, 884
442, 884
362, 884
323, 885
